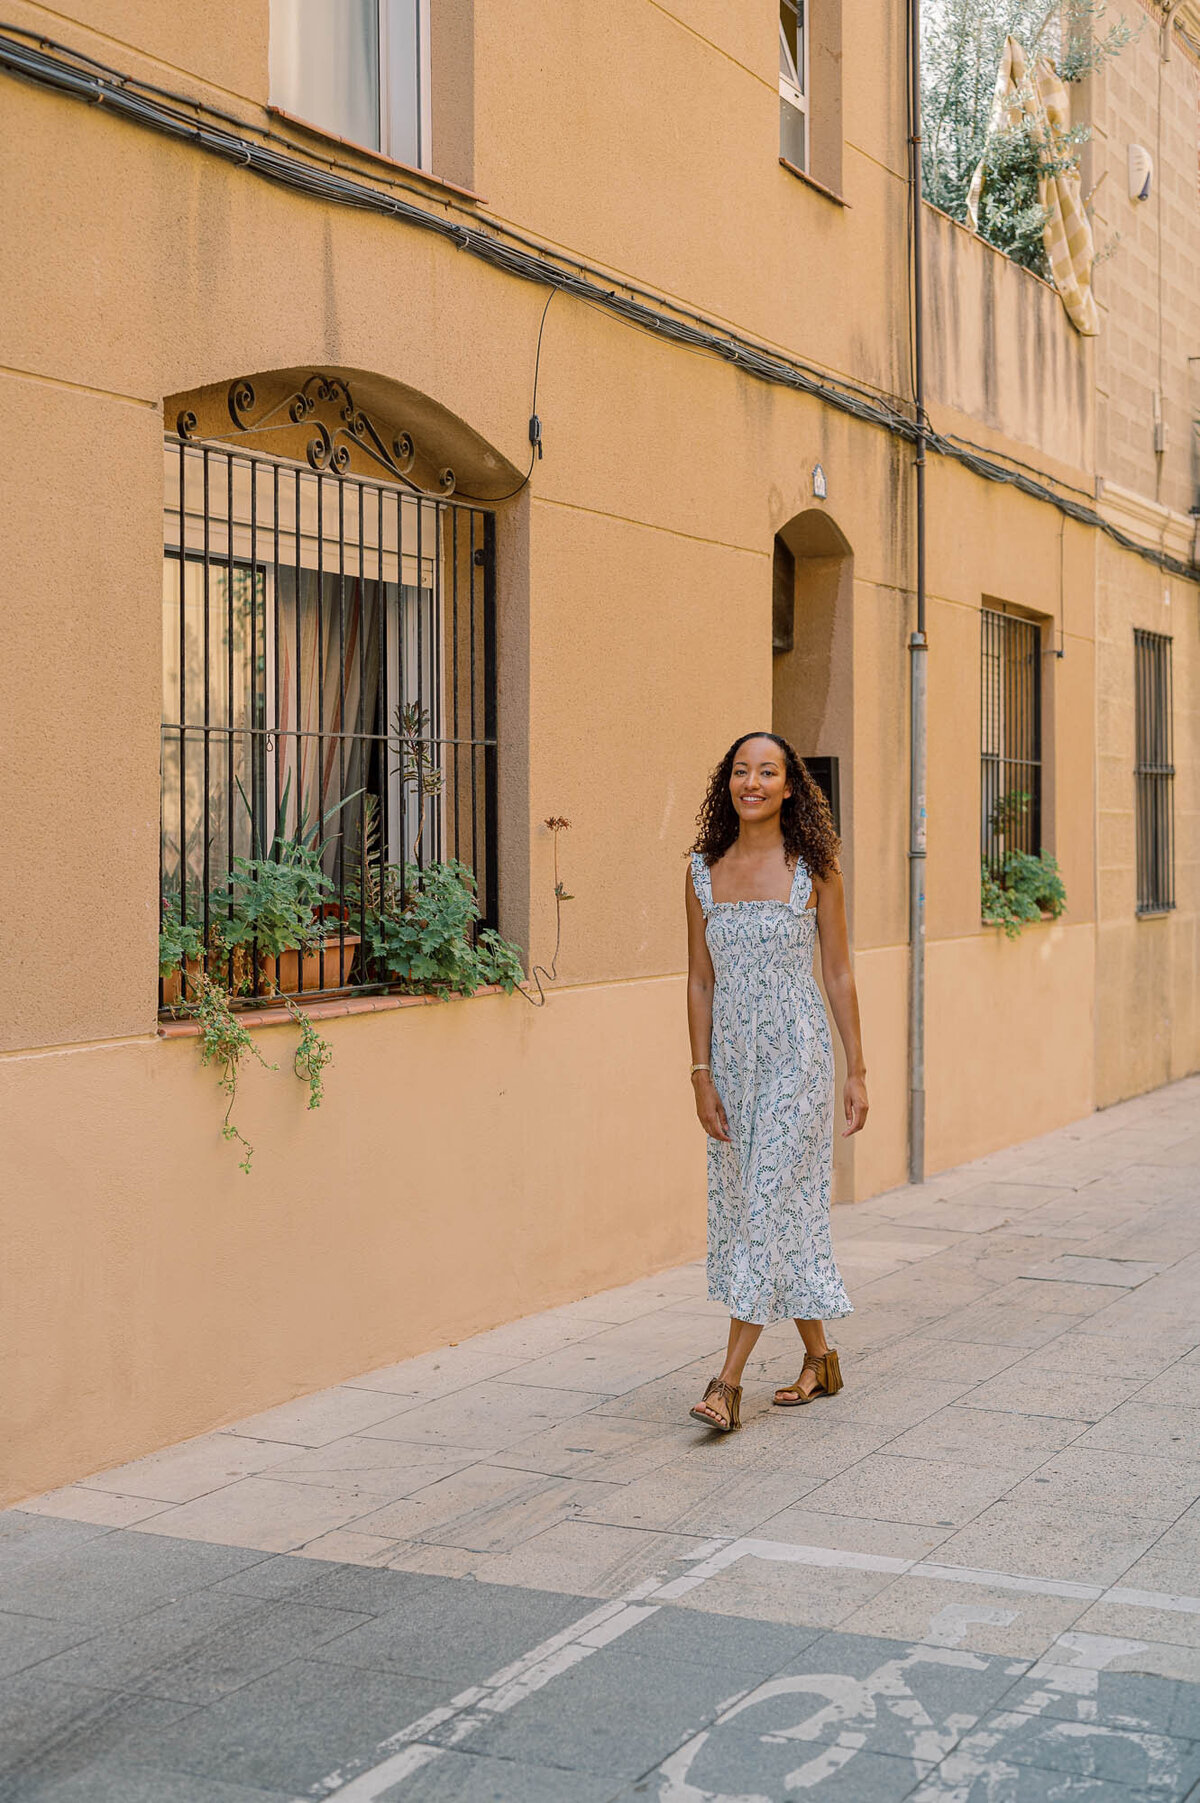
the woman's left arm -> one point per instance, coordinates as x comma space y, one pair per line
843, 997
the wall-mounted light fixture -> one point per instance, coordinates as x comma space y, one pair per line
1141, 172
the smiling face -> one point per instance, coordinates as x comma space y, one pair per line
758, 781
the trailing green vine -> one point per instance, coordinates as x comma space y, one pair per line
224, 1041
313, 1053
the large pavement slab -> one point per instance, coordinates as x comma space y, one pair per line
513, 1571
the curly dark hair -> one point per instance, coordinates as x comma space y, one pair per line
805, 820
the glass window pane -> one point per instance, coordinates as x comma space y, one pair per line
402, 52
791, 43
325, 64
791, 134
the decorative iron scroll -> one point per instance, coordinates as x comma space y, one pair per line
325, 405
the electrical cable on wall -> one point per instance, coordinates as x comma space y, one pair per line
133, 100
535, 424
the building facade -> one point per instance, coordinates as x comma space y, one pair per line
1147, 459
521, 397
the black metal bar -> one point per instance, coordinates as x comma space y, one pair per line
476, 552
490, 723
276, 648
230, 818
206, 873
419, 592
320, 486
183, 823
381, 719
1145, 804
268, 732
257, 775
1035, 682
363, 772
401, 628
297, 735
436, 696
454, 683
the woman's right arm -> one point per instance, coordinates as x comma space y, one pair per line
700, 986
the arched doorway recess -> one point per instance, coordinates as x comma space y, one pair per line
813, 695
813, 668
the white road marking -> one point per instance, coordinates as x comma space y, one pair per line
424, 1740
470, 1710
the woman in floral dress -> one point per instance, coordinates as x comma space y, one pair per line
763, 887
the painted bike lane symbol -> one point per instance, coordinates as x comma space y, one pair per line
844, 1715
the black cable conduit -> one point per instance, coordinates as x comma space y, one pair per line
159, 111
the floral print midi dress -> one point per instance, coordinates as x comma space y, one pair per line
769, 1253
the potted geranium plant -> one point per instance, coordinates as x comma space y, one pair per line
422, 933
271, 909
1018, 886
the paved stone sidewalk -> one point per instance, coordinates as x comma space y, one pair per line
514, 1572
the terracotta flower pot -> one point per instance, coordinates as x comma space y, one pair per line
172, 982
340, 954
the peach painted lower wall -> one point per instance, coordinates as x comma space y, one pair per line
1008, 1046
1009, 1035
473, 1161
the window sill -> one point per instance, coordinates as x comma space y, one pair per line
374, 156
810, 181
1155, 913
1046, 920
331, 1010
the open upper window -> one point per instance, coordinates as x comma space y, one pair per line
793, 83
359, 69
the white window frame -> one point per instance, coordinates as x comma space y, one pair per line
795, 96
388, 52
424, 84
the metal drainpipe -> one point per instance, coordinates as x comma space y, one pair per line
1164, 49
918, 648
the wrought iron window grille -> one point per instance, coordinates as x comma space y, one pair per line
1011, 737
338, 424
1154, 772
329, 697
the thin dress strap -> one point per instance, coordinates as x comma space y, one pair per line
801, 887
702, 883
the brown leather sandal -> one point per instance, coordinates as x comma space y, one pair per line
731, 1396
829, 1381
